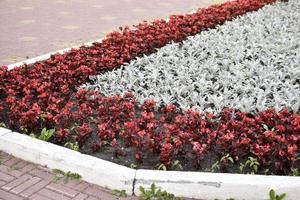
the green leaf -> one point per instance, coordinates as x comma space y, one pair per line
242, 167
281, 197
58, 171
272, 195
265, 127
255, 168
247, 162
230, 159
142, 190
56, 178
153, 187
46, 134
120, 193
2, 125
162, 167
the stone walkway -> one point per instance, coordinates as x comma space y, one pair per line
23, 180
31, 28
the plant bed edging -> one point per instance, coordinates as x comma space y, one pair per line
113, 176
206, 185
93, 170
4, 131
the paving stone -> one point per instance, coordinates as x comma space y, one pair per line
71, 183
42, 173
20, 165
9, 196
62, 189
12, 161
16, 182
39, 197
28, 168
81, 186
99, 193
4, 157
31, 33
35, 188
52, 195
92, 198
2, 183
25, 185
6, 177
80, 196
8, 170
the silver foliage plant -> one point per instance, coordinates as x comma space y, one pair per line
251, 63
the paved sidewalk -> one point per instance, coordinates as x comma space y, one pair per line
23, 180
30, 28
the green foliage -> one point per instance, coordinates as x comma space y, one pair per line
156, 194
74, 146
217, 165
46, 134
120, 193
2, 125
43, 116
267, 128
24, 130
133, 166
295, 172
274, 196
176, 165
162, 167
267, 171
250, 166
59, 174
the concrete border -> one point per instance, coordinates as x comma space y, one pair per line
206, 185
107, 174
199, 185
92, 169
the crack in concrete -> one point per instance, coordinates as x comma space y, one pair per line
206, 183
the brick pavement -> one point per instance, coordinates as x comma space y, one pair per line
20, 180
34, 27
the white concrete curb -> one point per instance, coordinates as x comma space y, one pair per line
218, 185
107, 174
183, 184
92, 169
3, 131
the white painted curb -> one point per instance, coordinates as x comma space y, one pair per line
107, 174
3, 131
218, 185
200, 185
92, 169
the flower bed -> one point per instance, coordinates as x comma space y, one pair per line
250, 64
43, 95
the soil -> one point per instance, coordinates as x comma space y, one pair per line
152, 160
